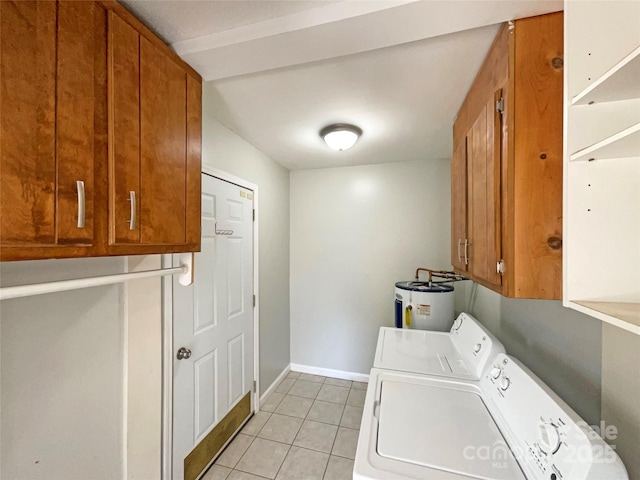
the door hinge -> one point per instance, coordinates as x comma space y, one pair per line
254, 214
500, 105
500, 267
254, 301
255, 386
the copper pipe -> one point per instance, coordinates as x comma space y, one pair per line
439, 274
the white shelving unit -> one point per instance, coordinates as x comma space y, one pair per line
621, 145
618, 83
602, 161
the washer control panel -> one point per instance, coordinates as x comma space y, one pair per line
548, 439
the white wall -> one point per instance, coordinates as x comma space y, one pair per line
355, 231
62, 375
620, 387
224, 150
144, 370
561, 346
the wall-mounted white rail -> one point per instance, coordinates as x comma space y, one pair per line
185, 272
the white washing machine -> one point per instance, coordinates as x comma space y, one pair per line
507, 426
463, 352
454, 406
424, 306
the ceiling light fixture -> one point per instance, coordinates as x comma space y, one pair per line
340, 136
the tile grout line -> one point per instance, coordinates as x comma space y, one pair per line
304, 419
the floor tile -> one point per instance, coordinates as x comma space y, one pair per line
311, 378
352, 417
281, 428
293, 375
254, 425
337, 382
302, 464
263, 458
359, 385
316, 436
339, 469
272, 402
326, 412
235, 450
331, 393
238, 475
294, 406
356, 398
216, 472
285, 385
345, 444
306, 389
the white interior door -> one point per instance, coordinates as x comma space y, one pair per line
213, 319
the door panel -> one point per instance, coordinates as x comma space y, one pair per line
163, 162
78, 89
459, 206
214, 319
124, 112
235, 297
235, 349
194, 149
205, 391
484, 197
27, 122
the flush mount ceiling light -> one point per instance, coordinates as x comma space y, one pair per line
340, 136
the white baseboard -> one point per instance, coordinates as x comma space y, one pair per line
328, 372
275, 383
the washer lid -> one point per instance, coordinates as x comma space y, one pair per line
424, 287
420, 351
442, 428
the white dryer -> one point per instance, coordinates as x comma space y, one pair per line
463, 352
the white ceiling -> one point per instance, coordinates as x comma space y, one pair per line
279, 71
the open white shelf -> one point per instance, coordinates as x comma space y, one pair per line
621, 82
623, 144
620, 314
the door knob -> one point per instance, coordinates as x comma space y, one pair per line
183, 353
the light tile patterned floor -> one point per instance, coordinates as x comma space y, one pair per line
307, 429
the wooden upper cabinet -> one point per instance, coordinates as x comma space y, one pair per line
483, 195
100, 135
155, 107
510, 126
459, 238
53, 126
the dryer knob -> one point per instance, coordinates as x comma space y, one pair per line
505, 383
477, 347
457, 324
496, 371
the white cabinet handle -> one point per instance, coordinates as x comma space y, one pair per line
466, 256
132, 215
81, 203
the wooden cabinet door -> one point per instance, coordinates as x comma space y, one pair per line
80, 117
51, 121
124, 137
155, 138
163, 152
459, 207
484, 199
27, 123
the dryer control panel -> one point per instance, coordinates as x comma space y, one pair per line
475, 344
549, 440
